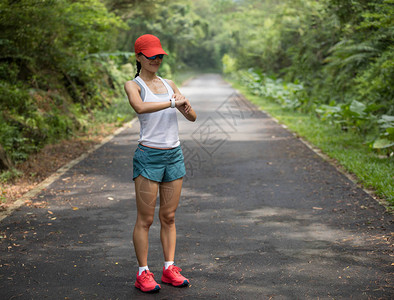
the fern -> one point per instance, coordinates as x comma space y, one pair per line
348, 52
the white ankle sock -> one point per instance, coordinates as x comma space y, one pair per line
167, 264
142, 269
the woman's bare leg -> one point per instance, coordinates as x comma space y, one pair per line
146, 194
170, 193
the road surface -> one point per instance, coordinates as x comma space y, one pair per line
261, 217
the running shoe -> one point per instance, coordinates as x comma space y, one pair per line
172, 276
146, 282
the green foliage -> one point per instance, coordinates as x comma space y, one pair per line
229, 64
8, 176
288, 95
48, 77
3, 195
353, 116
185, 28
374, 84
118, 112
338, 50
386, 138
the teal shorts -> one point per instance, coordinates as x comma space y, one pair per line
161, 165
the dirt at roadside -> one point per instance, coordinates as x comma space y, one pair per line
49, 159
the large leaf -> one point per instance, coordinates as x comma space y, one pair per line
390, 130
357, 107
382, 144
386, 121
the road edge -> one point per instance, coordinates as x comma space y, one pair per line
58, 173
54, 176
353, 178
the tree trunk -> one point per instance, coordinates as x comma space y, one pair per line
5, 162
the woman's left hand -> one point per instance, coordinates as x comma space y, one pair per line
185, 106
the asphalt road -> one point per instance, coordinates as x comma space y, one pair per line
261, 217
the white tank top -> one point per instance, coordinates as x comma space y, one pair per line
158, 129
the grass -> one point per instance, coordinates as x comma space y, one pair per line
9, 175
117, 113
372, 171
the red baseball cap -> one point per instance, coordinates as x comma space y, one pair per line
149, 45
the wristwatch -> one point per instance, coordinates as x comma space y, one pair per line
172, 102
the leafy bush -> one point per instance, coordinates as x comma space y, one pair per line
386, 138
229, 64
352, 116
339, 50
48, 83
289, 95
7, 176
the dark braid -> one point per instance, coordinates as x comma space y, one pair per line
138, 69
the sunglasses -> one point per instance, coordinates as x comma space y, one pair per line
154, 56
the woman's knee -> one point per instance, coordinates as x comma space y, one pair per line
145, 221
167, 218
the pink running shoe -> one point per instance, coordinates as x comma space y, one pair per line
146, 282
172, 276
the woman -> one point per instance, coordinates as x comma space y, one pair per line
158, 160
